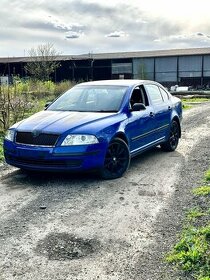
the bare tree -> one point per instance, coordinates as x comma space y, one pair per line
43, 62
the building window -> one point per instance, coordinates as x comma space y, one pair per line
121, 68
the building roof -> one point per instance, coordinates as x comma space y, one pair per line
118, 55
155, 53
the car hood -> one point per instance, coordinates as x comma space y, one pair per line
58, 121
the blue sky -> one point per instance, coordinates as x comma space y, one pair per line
93, 26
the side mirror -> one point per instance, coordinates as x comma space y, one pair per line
138, 107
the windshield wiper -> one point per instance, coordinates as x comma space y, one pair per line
107, 111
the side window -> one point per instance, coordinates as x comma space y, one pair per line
154, 94
136, 97
164, 94
139, 96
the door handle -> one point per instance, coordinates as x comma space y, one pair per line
169, 108
151, 114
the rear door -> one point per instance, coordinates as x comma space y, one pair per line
160, 102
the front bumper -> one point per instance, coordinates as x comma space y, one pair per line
55, 158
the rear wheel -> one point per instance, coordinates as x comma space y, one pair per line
117, 160
172, 143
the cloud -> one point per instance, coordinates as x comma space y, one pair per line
188, 40
200, 34
73, 35
117, 34
187, 37
84, 8
94, 24
141, 21
61, 25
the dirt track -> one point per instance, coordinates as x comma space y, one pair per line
79, 227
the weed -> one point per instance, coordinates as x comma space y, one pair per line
207, 175
187, 102
186, 106
195, 213
201, 99
202, 190
191, 253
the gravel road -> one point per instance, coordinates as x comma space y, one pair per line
77, 227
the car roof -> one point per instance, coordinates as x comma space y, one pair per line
126, 82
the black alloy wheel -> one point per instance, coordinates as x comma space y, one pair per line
172, 143
117, 160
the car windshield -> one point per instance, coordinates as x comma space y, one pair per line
90, 99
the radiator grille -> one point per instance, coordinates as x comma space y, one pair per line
43, 139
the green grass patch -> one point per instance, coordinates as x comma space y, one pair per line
194, 213
186, 106
202, 190
191, 253
186, 102
195, 99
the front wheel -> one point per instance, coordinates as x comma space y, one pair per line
116, 161
172, 143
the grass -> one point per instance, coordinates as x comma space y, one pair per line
202, 190
201, 99
195, 213
186, 101
186, 106
192, 252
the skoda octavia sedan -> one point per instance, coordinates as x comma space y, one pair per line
97, 125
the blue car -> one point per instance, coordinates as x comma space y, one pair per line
96, 125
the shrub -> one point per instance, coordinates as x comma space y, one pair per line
24, 98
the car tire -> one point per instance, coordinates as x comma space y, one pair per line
116, 161
171, 144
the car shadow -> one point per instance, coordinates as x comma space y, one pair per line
152, 154
37, 178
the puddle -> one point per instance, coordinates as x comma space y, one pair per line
63, 246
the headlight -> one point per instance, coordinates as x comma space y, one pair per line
79, 139
10, 135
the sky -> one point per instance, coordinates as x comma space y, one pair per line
77, 27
